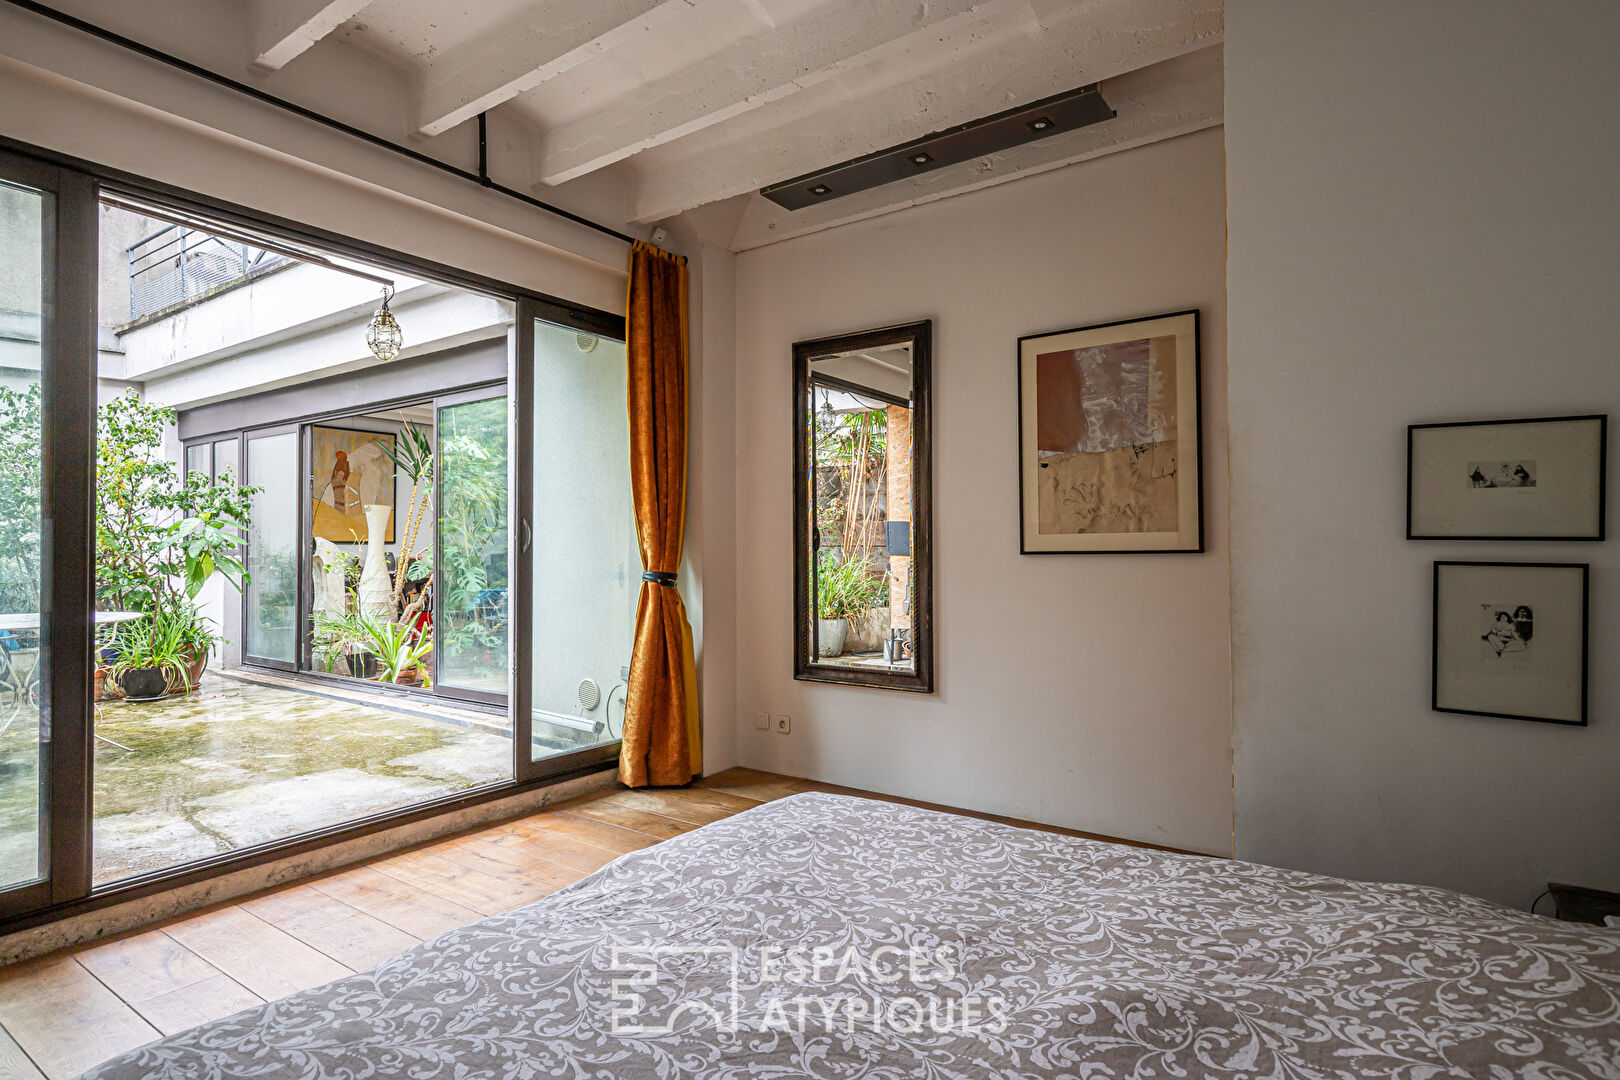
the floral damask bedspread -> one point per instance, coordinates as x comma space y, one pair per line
839, 938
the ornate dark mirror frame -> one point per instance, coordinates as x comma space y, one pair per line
920, 679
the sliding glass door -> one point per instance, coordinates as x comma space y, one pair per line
26, 220
524, 594
472, 651
270, 623
46, 358
585, 564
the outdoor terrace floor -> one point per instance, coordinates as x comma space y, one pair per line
238, 763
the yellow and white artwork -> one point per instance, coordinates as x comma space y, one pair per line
351, 471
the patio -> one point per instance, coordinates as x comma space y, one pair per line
241, 762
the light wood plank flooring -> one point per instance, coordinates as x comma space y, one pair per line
63, 1013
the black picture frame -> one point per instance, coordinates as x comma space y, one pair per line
1585, 646
1602, 421
921, 678
1199, 546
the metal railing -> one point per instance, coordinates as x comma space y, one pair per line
177, 264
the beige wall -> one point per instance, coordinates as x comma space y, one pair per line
1425, 224
1088, 691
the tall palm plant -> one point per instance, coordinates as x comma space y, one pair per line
412, 457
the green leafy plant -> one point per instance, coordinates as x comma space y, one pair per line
159, 535
473, 452
166, 641
333, 637
848, 587
20, 491
398, 647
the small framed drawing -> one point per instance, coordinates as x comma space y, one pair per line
1109, 437
1510, 640
1536, 479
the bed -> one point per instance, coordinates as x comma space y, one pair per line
948, 947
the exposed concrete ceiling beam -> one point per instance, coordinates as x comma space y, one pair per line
750, 73
1176, 97
973, 72
284, 29
552, 38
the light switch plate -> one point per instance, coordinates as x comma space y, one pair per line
762, 720
784, 724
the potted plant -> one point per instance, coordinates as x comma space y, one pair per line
399, 648
338, 642
156, 656
846, 588
160, 536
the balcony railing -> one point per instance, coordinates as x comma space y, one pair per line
177, 264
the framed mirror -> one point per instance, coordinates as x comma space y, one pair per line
862, 462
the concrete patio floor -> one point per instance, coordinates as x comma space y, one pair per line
239, 763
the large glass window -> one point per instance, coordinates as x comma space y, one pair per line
24, 267
587, 568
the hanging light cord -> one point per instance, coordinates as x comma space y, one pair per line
480, 178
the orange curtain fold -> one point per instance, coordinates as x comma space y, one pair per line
661, 739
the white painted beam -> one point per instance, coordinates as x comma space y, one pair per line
552, 38
284, 29
748, 74
982, 68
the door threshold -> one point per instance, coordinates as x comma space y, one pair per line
378, 696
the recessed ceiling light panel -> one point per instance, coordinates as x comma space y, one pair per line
992, 134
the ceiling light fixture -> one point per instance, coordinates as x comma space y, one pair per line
1062, 114
383, 335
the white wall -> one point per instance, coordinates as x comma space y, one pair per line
1087, 691
1425, 225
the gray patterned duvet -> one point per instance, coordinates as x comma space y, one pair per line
829, 937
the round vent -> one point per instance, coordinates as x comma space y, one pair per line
590, 695
585, 342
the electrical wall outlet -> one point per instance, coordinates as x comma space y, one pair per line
762, 720
784, 723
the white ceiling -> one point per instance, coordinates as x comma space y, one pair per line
641, 110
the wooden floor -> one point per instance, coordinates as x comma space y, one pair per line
63, 1013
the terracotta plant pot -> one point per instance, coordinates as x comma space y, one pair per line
194, 670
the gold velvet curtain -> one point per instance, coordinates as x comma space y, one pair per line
661, 742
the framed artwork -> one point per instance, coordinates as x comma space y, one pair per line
1109, 433
1510, 640
351, 471
1533, 479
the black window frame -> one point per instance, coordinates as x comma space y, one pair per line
69, 456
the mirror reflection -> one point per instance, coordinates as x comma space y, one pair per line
862, 557
860, 404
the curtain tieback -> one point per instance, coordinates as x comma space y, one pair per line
660, 577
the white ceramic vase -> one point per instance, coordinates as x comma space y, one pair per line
376, 591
